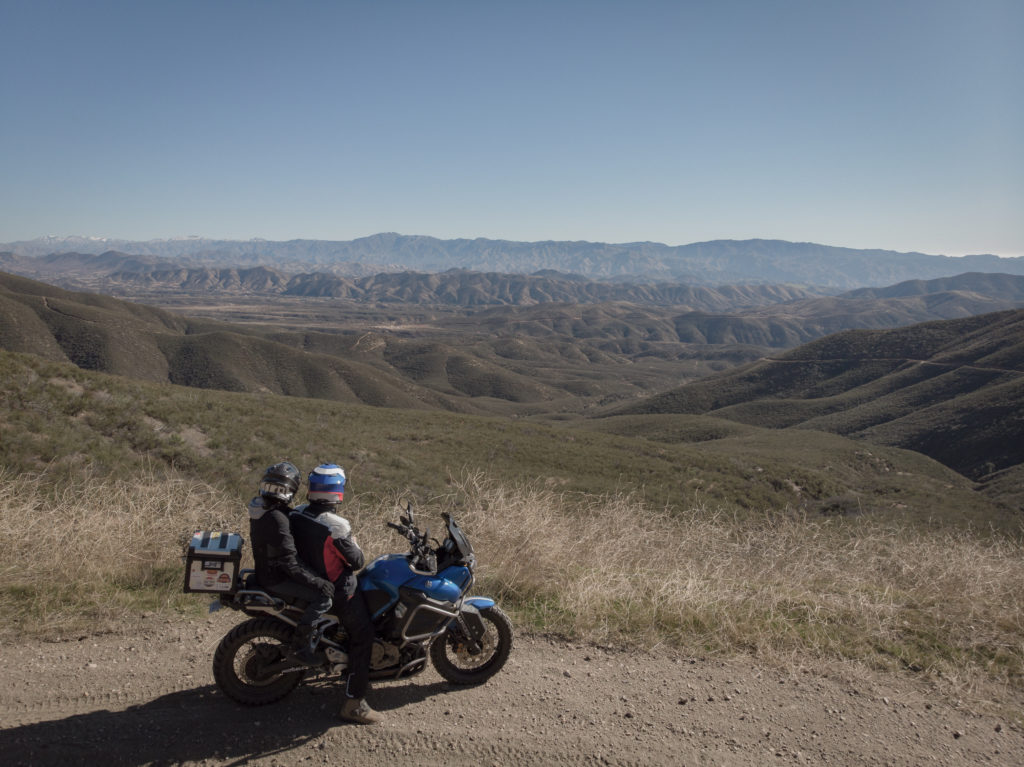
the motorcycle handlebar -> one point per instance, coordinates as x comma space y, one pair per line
410, 533
419, 542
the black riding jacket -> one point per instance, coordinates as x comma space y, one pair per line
273, 547
324, 541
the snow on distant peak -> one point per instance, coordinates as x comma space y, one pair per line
72, 238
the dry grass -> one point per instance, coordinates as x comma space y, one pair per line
77, 557
612, 570
605, 569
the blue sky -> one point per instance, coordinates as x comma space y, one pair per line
866, 124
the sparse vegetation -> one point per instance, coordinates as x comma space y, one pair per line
611, 569
715, 532
78, 555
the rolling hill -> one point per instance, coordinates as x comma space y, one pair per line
462, 368
952, 390
541, 357
67, 422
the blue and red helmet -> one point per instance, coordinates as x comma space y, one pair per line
326, 483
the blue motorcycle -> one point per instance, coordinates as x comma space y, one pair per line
417, 602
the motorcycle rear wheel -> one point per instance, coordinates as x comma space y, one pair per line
452, 659
243, 654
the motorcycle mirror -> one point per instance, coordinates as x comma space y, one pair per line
407, 518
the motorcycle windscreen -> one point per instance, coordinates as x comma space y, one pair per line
460, 539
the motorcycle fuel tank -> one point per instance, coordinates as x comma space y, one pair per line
391, 571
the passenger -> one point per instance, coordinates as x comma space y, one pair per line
278, 569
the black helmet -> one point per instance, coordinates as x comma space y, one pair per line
280, 482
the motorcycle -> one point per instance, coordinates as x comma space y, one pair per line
420, 611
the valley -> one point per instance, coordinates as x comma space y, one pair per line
804, 490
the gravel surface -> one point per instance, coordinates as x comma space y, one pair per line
148, 698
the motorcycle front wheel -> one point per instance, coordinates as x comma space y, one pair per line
247, 662
453, 660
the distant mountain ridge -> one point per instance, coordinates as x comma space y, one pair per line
459, 288
709, 263
121, 274
807, 313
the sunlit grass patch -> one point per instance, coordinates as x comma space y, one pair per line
609, 569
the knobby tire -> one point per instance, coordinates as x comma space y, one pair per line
445, 652
272, 639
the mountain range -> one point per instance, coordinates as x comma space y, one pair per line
121, 274
795, 314
709, 263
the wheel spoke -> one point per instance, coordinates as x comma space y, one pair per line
453, 659
247, 664
253, 658
466, 660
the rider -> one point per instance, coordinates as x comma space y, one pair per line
278, 569
324, 540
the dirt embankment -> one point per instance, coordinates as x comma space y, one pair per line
147, 698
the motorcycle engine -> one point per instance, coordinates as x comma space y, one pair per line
383, 655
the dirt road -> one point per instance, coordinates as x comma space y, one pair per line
148, 699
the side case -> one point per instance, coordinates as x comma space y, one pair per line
212, 563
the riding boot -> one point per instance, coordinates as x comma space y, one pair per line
304, 645
358, 710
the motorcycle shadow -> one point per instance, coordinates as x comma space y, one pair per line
391, 694
192, 726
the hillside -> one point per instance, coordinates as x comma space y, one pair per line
953, 390
105, 334
754, 316
764, 315
462, 368
529, 360
57, 417
714, 263
799, 321
121, 274
988, 284
950, 390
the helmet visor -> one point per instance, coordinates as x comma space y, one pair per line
276, 490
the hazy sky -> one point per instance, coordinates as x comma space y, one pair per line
865, 124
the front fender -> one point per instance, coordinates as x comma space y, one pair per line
470, 618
